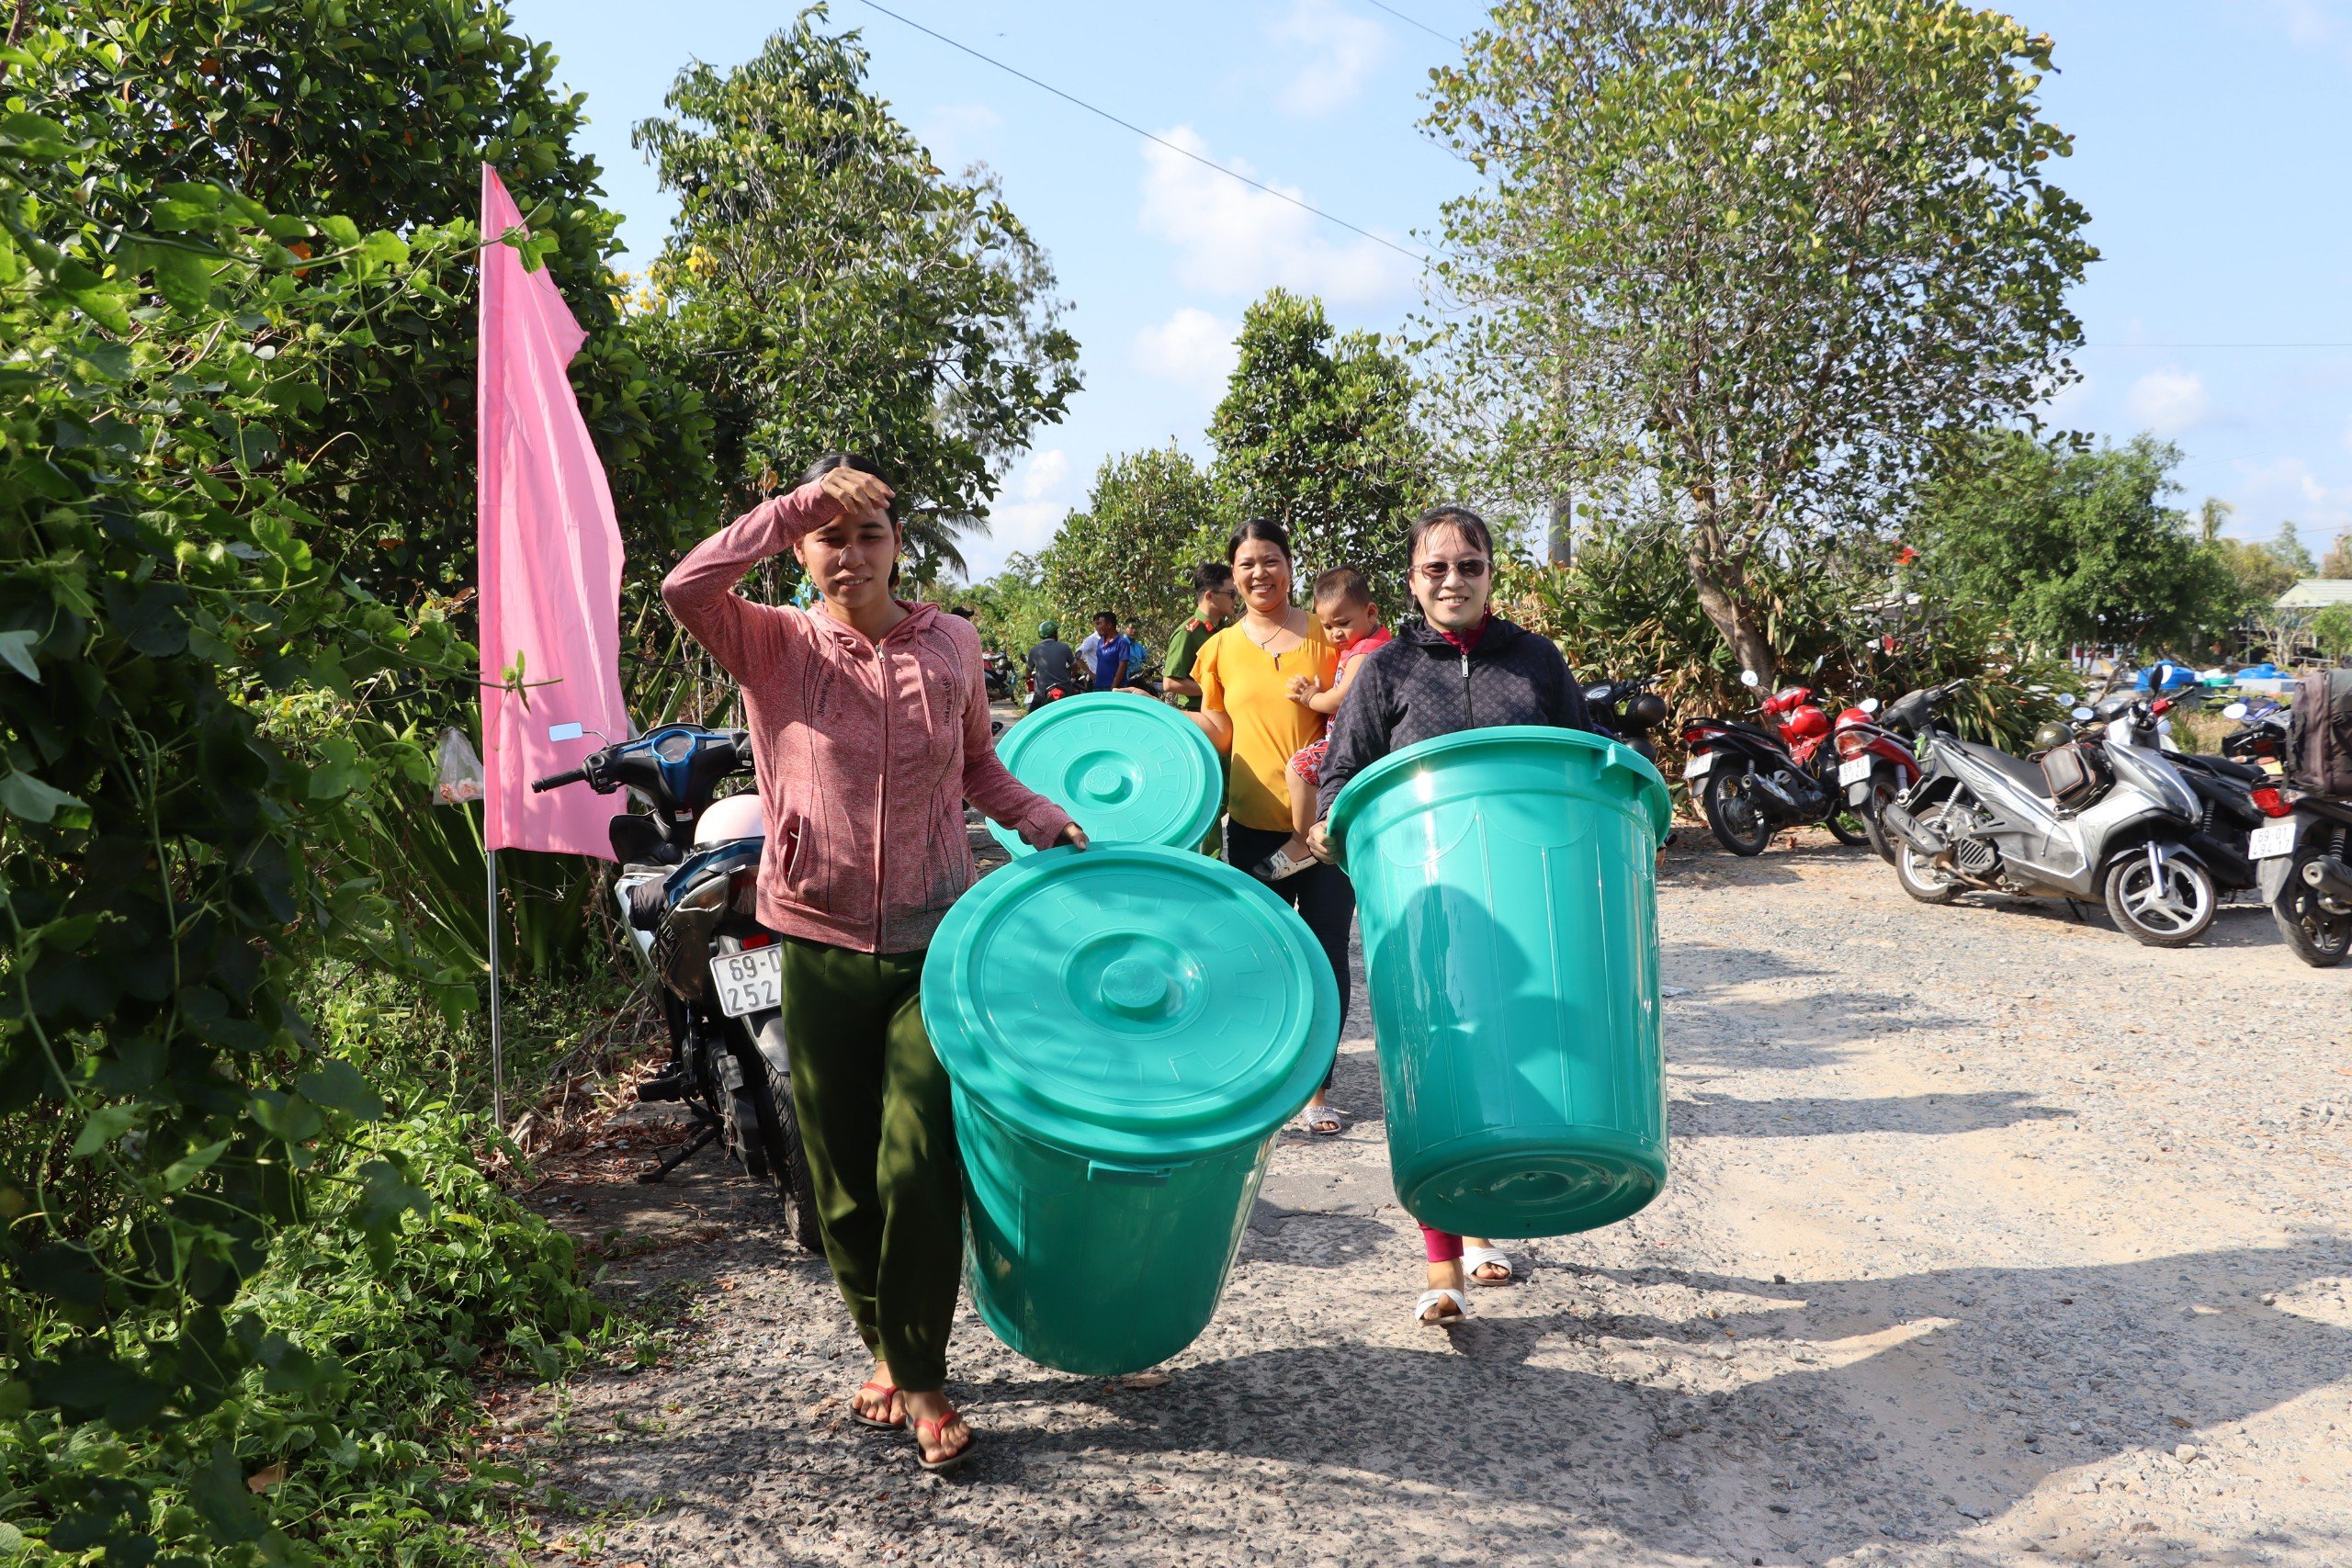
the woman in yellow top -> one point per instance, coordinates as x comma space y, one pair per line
1244, 672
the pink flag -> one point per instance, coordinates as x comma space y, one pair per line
550, 559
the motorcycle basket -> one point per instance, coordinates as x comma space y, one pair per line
2077, 775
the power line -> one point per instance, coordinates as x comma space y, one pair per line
1147, 136
2214, 346
1413, 21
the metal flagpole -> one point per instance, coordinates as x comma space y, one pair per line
497, 1043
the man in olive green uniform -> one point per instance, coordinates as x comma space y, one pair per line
1213, 582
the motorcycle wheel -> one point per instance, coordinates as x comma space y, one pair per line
790, 1164
1737, 825
1849, 826
1922, 878
2318, 937
1875, 823
2169, 907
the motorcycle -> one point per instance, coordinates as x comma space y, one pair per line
1627, 711
687, 894
2095, 820
1875, 759
2304, 871
2235, 797
1750, 783
996, 673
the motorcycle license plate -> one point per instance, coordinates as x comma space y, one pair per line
2270, 843
1696, 768
1854, 770
749, 982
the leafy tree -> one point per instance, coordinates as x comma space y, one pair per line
2260, 576
381, 112
2337, 563
1151, 516
2073, 545
2212, 516
832, 288
1008, 607
1315, 432
163, 1107
1743, 264
2288, 549
2332, 629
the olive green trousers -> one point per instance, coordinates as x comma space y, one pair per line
875, 1119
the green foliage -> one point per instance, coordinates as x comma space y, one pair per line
342, 1430
2256, 570
1315, 432
2288, 549
1151, 517
832, 288
2075, 545
1743, 264
381, 113
1008, 607
2331, 628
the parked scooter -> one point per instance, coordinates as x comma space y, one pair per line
2095, 820
687, 890
1751, 783
1627, 711
2306, 861
996, 672
1876, 761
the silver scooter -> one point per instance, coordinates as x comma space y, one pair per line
2095, 820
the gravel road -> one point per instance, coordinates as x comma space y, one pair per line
1992, 1237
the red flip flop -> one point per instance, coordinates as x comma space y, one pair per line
936, 1466
862, 1420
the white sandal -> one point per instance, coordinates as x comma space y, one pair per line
1439, 1298
1323, 1120
1476, 1257
1278, 865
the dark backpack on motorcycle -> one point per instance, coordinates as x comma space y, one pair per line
2077, 775
2319, 733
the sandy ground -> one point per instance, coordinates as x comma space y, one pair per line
1992, 1237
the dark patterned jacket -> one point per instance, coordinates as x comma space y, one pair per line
1421, 686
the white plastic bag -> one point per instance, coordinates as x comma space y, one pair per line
458, 769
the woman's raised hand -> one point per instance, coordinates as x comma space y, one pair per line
858, 494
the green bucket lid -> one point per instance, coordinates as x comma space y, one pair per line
1131, 769
1130, 1002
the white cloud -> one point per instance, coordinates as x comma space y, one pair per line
2286, 487
1028, 511
1232, 240
2168, 401
1191, 348
1340, 47
958, 134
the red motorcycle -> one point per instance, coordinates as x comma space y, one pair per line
1751, 783
1875, 761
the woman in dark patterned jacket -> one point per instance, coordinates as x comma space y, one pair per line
1461, 667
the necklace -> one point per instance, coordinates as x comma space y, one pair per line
1265, 646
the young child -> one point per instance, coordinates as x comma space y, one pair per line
1351, 620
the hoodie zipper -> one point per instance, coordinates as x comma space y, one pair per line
882, 800
1470, 707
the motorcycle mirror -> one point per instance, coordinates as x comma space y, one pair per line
2235, 710
1750, 679
566, 731
2081, 715
1869, 705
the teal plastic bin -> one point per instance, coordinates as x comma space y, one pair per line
1506, 883
1125, 1029
1130, 770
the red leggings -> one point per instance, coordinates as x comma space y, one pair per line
1442, 1247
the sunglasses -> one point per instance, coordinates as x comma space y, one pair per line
1436, 571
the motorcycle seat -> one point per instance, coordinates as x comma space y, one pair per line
2226, 768
2028, 775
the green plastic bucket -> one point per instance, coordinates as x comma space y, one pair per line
1130, 770
1126, 1030
1506, 883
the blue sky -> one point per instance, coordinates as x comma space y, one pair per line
2209, 145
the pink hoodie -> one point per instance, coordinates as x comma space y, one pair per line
865, 750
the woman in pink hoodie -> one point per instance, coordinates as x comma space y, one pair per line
870, 725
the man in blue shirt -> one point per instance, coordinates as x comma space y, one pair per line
1105, 653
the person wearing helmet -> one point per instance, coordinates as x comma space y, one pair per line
1052, 662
